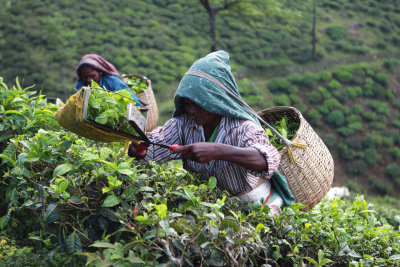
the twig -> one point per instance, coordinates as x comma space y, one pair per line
234, 262
169, 254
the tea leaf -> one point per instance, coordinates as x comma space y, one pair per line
62, 169
111, 201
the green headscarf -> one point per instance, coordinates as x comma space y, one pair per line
207, 94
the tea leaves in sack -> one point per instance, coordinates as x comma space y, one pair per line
136, 84
286, 130
110, 109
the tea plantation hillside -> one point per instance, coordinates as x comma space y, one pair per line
42, 41
69, 201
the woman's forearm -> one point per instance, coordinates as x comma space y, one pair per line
248, 157
203, 152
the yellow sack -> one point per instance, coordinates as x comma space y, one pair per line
71, 118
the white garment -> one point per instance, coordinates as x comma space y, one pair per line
260, 194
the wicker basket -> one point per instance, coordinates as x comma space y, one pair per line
311, 175
148, 99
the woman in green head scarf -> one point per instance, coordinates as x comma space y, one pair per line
218, 136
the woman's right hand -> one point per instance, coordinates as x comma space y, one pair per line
137, 150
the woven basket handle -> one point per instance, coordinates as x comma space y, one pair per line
204, 75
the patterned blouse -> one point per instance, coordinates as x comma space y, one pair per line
235, 132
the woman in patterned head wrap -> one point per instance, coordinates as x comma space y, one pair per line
218, 136
94, 67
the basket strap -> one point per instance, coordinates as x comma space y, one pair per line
204, 75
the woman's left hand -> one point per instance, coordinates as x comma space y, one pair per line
202, 152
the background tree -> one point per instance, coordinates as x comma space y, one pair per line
248, 10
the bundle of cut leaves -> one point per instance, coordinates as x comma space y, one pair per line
110, 108
286, 130
136, 84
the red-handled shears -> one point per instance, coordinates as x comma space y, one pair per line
144, 145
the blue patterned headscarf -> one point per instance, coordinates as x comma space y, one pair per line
208, 94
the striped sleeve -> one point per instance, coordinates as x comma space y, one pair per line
168, 134
255, 136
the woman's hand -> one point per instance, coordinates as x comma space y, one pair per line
137, 150
201, 152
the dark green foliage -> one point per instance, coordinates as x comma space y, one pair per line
353, 118
334, 85
377, 126
354, 92
314, 97
337, 33
356, 109
332, 103
279, 85
314, 117
295, 78
294, 99
385, 27
282, 100
389, 94
357, 167
392, 171
396, 102
390, 64
380, 187
370, 116
355, 126
396, 123
372, 141
372, 23
372, 157
379, 107
394, 135
394, 153
325, 93
325, 76
309, 80
330, 140
323, 109
345, 152
336, 118
343, 76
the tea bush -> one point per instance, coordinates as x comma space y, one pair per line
336, 118
394, 152
309, 80
70, 201
314, 117
279, 85
354, 92
343, 76
392, 171
381, 187
382, 79
282, 100
314, 97
325, 76
334, 85
337, 32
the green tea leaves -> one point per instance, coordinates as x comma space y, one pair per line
111, 201
137, 85
288, 131
109, 108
